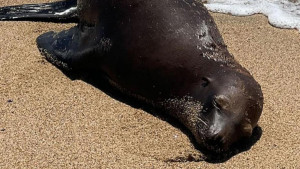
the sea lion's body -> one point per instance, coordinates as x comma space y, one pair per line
168, 53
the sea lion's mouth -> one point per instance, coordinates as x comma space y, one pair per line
215, 146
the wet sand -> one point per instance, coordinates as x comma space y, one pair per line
50, 121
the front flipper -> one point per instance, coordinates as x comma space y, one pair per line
62, 11
80, 47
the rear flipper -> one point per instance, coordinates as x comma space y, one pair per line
63, 11
80, 47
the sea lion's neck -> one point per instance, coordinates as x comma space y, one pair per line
89, 10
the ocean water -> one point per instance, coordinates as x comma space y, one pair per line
280, 13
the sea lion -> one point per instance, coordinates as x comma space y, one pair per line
168, 53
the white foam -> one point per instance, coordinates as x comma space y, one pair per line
281, 13
70, 10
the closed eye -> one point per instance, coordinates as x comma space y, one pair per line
216, 105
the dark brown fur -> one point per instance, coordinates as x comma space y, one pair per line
168, 53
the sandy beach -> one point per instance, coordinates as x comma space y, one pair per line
48, 120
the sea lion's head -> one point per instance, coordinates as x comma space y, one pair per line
231, 106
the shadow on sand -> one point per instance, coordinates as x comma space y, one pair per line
100, 82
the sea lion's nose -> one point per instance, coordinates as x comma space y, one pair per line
217, 142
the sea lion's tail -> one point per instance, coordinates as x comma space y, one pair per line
62, 11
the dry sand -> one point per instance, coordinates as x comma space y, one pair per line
54, 122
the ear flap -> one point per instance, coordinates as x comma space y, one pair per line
222, 101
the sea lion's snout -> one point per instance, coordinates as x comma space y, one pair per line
227, 122
217, 142
221, 133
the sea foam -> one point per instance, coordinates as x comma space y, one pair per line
281, 13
